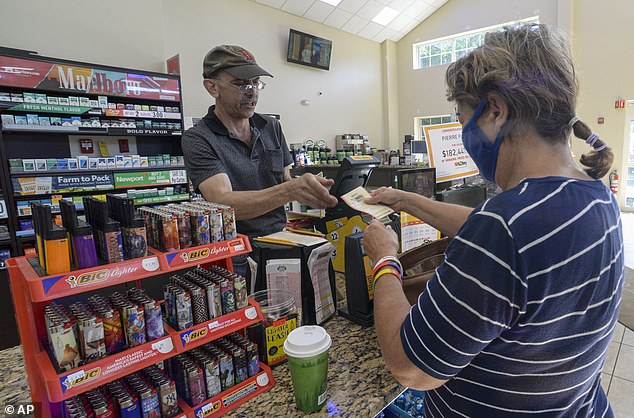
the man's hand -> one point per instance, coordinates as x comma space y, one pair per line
312, 191
379, 241
388, 196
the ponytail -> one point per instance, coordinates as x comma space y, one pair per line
600, 159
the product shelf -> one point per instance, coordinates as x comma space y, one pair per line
74, 282
232, 397
145, 114
45, 288
68, 384
216, 328
114, 131
202, 254
99, 171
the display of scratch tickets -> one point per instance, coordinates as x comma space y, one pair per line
355, 199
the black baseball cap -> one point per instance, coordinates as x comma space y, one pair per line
233, 59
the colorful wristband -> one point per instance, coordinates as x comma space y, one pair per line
388, 263
383, 272
390, 258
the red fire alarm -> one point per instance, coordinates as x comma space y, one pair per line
619, 104
600, 121
86, 146
123, 145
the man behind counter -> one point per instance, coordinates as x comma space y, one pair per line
240, 158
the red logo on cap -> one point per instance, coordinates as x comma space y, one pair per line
246, 54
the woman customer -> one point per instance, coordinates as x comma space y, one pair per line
517, 320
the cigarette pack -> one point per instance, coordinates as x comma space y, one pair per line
17, 98
62, 164
40, 164
63, 101
51, 163
15, 164
32, 119
45, 121
145, 107
93, 103
127, 162
84, 101
110, 162
5, 97
73, 100
75, 120
112, 106
103, 101
56, 121
120, 106
52, 100
136, 161
83, 162
29, 97
138, 107
73, 164
93, 163
144, 161
67, 122
40, 98
7, 120
118, 159
20, 120
102, 163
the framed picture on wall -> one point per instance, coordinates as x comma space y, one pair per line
309, 50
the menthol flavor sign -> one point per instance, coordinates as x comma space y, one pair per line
150, 178
62, 183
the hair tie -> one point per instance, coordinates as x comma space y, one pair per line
592, 139
573, 121
601, 148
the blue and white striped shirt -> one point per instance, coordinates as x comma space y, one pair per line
520, 315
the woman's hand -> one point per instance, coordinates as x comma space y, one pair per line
379, 241
388, 196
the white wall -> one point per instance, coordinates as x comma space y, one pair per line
603, 53
352, 99
422, 92
114, 32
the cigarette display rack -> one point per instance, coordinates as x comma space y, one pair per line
49, 389
127, 111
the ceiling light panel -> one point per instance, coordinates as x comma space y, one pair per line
332, 2
385, 16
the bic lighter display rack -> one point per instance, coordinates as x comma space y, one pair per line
50, 388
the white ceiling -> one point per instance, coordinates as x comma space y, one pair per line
355, 16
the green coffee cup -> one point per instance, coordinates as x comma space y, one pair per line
307, 351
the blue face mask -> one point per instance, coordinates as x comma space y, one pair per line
482, 151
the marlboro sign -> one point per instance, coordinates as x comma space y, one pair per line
74, 79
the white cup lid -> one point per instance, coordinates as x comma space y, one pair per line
307, 341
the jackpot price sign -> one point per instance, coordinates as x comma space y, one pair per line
447, 153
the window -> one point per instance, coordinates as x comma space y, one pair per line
421, 122
448, 49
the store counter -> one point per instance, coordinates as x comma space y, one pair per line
359, 384
383, 175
